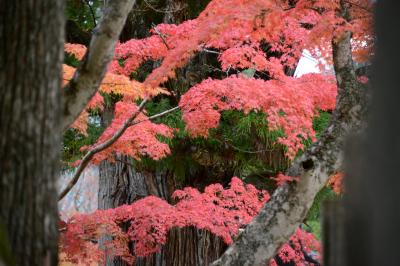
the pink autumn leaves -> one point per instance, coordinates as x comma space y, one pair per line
290, 104
222, 211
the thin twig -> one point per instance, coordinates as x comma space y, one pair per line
210, 51
91, 11
163, 11
162, 36
89, 155
155, 116
360, 6
242, 150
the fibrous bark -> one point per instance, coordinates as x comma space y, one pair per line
192, 246
119, 183
289, 205
31, 41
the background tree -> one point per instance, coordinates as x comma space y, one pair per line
131, 62
212, 29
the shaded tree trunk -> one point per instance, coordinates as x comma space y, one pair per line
120, 183
372, 202
192, 246
31, 47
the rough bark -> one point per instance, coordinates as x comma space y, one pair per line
289, 204
90, 73
192, 246
120, 183
31, 41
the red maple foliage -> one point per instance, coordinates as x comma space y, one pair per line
137, 140
336, 182
289, 103
220, 211
239, 31
281, 179
140, 139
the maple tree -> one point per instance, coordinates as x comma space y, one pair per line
221, 211
236, 30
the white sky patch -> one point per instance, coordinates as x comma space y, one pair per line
307, 64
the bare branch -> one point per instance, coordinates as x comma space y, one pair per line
91, 71
210, 51
156, 115
89, 155
165, 10
102, 146
162, 36
367, 9
91, 12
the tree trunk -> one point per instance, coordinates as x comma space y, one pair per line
120, 183
192, 246
333, 233
31, 47
372, 182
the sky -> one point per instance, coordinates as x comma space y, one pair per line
307, 64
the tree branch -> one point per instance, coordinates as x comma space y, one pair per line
289, 205
91, 12
102, 146
161, 36
156, 115
91, 71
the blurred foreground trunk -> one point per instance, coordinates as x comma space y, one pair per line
31, 53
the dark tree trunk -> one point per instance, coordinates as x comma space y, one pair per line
120, 183
191, 246
372, 199
31, 47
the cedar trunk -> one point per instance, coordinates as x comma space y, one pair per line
120, 183
31, 47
